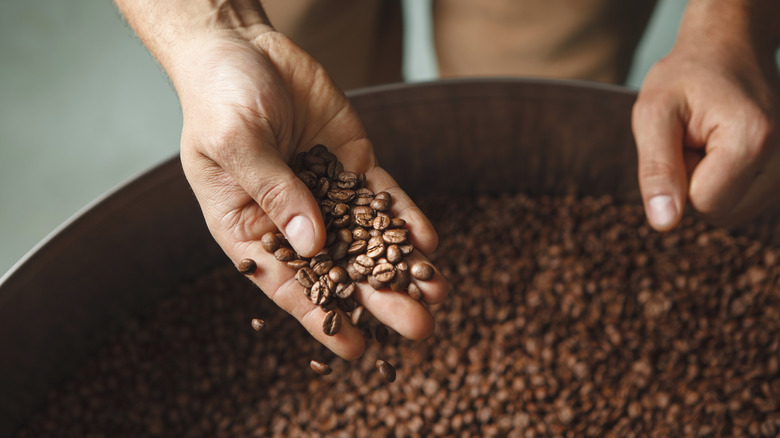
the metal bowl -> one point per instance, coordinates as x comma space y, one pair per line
137, 243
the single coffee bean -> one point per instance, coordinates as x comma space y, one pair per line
320, 368
395, 235
309, 178
285, 254
348, 180
383, 272
327, 205
364, 264
328, 283
375, 283
321, 264
346, 304
330, 238
322, 188
344, 235
297, 264
341, 222
360, 233
421, 271
402, 266
270, 242
381, 223
345, 290
354, 274
341, 195
357, 247
339, 250
406, 248
257, 324
386, 370
247, 267
334, 168
381, 334
313, 159
393, 254
318, 150
363, 196
381, 260
319, 293
375, 247
374, 233
338, 274
306, 276
397, 222
401, 281
329, 305
332, 323
363, 216
380, 204
414, 292
340, 209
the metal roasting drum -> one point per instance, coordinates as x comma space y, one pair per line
137, 243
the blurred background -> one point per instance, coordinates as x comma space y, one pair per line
84, 107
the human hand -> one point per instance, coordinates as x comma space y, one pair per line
705, 124
249, 107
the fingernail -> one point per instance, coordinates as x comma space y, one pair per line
300, 234
662, 211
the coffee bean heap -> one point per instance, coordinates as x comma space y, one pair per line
568, 318
364, 242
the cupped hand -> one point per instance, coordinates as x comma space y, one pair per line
706, 127
249, 107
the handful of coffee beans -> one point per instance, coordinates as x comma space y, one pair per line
364, 242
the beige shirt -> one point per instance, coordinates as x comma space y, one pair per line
359, 41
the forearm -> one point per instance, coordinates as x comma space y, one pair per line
167, 26
735, 25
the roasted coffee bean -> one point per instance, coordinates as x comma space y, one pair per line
341, 222
402, 266
320, 368
318, 150
247, 267
339, 250
344, 235
313, 159
321, 264
376, 283
332, 323
374, 233
401, 281
380, 203
383, 272
381, 260
395, 235
285, 254
334, 168
386, 370
257, 324
297, 264
355, 274
320, 293
306, 276
341, 195
322, 188
346, 304
393, 254
364, 264
329, 305
397, 222
338, 274
328, 284
348, 180
330, 238
363, 196
345, 290
375, 247
360, 234
357, 247
406, 248
308, 178
270, 242
327, 205
366, 333
381, 223
421, 271
340, 209
414, 291
381, 334
363, 217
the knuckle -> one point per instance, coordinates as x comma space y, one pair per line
651, 170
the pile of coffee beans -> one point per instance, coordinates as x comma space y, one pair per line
364, 242
568, 317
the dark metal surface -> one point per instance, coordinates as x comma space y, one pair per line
139, 242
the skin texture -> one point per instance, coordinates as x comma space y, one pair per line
251, 100
706, 118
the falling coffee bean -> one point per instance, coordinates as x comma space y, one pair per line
247, 267
320, 368
386, 370
332, 323
257, 324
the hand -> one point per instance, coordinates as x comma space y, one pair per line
249, 107
705, 124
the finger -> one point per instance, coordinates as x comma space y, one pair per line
397, 310
282, 196
734, 156
436, 289
658, 130
421, 231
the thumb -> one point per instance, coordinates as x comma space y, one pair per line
658, 131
